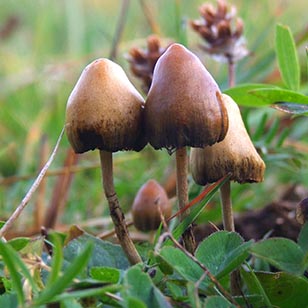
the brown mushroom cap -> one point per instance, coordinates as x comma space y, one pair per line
235, 154
104, 110
145, 210
302, 211
182, 108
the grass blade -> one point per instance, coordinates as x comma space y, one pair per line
9, 257
287, 57
62, 282
57, 260
197, 209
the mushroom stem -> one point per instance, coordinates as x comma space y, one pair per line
231, 72
182, 194
115, 209
228, 222
227, 212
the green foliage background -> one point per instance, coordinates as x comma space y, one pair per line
54, 40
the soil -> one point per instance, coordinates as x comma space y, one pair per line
277, 219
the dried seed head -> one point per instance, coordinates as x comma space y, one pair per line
182, 108
222, 32
235, 154
142, 61
151, 201
104, 110
302, 211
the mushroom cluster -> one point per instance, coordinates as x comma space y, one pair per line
184, 107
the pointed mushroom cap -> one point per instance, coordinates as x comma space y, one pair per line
145, 210
104, 110
235, 154
182, 108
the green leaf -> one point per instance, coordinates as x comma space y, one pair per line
278, 95
243, 96
292, 108
303, 238
217, 302
222, 252
177, 291
163, 265
254, 284
281, 253
192, 295
104, 253
19, 243
16, 267
63, 281
283, 290
287, 57
133, 302
195, 211
140, 286
70, 303
105, 274
185, 266
8, 300
88, 292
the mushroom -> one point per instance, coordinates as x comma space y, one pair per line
236, 154
182, 109
302, 211
104, 111
150, 203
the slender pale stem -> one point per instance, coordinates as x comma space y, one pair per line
228, 222
115, 209
227, 212
231, 73
182, 194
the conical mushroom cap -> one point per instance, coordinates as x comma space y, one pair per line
104, 110
145, 210
235, 154
182, 108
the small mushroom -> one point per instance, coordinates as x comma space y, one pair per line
236, 155
182, 109
104, 111
150, 203
302, 211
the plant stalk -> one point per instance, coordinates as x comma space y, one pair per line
115, 209
182, 194
231, 73
227, 212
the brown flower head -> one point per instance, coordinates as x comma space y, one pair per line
142, 61
222, 32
